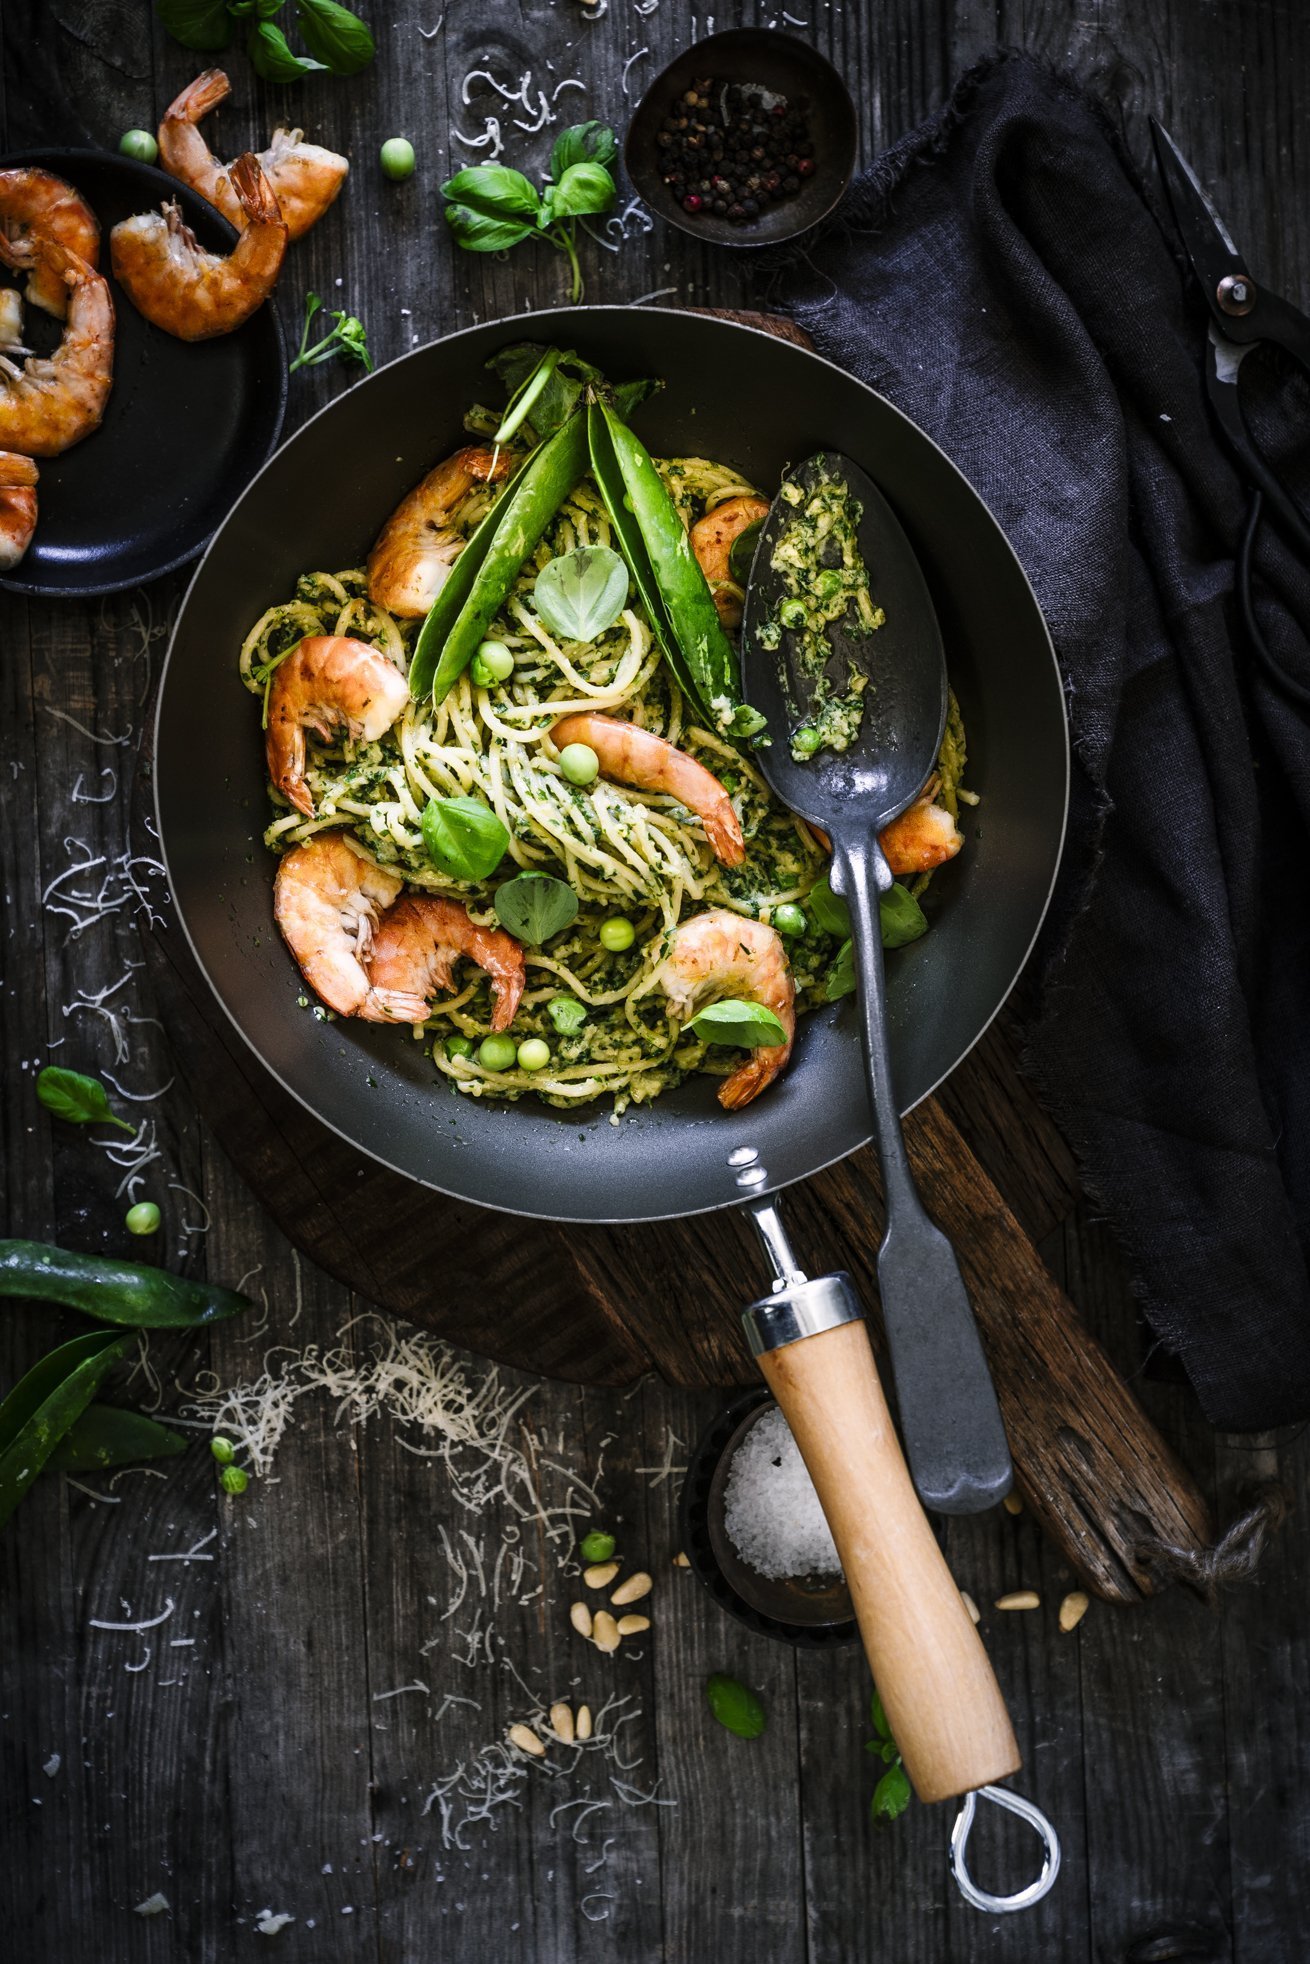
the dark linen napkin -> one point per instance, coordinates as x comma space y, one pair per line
1001, 276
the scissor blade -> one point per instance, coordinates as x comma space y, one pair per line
1207, 239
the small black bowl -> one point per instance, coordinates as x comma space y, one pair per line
785, 66
814, 1618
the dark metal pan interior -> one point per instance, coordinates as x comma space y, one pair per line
760, 404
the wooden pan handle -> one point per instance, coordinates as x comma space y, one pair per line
941, 1698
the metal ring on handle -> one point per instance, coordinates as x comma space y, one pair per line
964, 1882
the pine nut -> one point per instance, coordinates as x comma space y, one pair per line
975, 1614
1073, 1609
580, 1618
582, 1724
632, 1590
680, 1560
526, 1740
630, 1626
1019, 1599
1012, 1504
561, 1722
605, 1632
599, 1574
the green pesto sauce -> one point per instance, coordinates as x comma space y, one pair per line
824, 581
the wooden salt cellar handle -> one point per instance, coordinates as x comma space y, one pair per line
939, 1692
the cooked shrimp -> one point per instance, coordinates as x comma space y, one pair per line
712, 539
635, 756
34, 204
11, 322
327, 900
923, 837
192, 293
718, 954
335, 687
55, 400
415, 952
416, 548
17, 507
304, 177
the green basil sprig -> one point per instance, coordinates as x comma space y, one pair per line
273, 57
535, 906
76, 1098
43, 1405
735, 1705
748, 1025
464, 837
489, 564
686, 615
127, 1293
581, 593
490, 207
339, 42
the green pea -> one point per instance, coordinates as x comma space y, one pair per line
492, 663
596, 1547
497, 1053
790, 919
616, 934
458, 1047
234, 1479
805, 742
223, 1449
534, 1054
140, 145
144, 1218
828, 585
397, 155
579, 763
792, 613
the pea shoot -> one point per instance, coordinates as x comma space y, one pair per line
144, 1218
348, 337
397, 158
139, 145
616, 934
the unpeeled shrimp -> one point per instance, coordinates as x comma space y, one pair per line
192, 293
11, 322
414, 955
712, 540
327, 900
52, 401
922, 837
17, 507
631, 755
305, 178
718, 954
35, 204
335, 687
416, 548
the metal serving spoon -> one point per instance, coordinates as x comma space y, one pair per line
954, 1439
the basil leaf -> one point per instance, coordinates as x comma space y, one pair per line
271, 55
892, 1795
900, 917
746, 1024
535, 906
106, 1436
339, 38
879, 1718
493, 190
478, 233
204, 25
566, 1013
584, 143
840, 979
583, 190
43, 1405
830, 913
582, 592
78, 1099
735, 1706
741, 553
464, 837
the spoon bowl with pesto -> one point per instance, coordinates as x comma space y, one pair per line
842, 655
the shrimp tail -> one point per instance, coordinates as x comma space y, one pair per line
199, 97
393, 1006
285, 752
258, 198
752, 1077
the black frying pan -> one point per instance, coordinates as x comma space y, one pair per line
758, 403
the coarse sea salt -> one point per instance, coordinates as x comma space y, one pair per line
771, 1510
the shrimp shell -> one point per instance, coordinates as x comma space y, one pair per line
187, 291
415, 953
416, 548
717, 954
328, 684
53, 401
35, 204
305, 177
327, 902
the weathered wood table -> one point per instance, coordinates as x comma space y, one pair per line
308, 1725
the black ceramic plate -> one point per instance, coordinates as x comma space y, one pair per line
759, 403
188, 423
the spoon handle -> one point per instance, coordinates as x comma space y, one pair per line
950, 1420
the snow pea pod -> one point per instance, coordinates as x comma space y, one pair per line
43, 1405
106, 1435
451, 633
608, 476
127, 1293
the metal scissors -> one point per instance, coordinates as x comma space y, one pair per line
1242, 315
